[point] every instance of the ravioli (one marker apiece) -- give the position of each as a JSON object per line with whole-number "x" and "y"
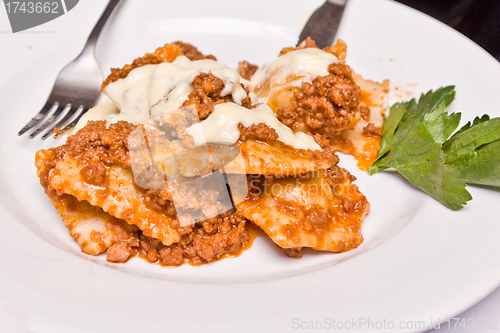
{"x": 279, "y": 159}
{"x": 253, "y": 157}
{"x": 186, "y": 157}
{"x": 320, "y": 210}
{"x": 329, "y": 100}
{"x": 93, "y": 229}
{"x": 363, "y": 140}
{"x": 118, "y": 197}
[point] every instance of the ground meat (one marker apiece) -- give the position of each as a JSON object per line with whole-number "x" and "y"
{"x": 340, "y": 180}
{"x": 259, "y": 132}
{"x": 364, "y": 112}
{"x": 306, "y": 43}
{"x": 176, "y": 122}
{"x": 189, "y": 201}
{"x": 225, "y": 234}
{"x": 339, "y": 49}
{"x": 371, "y": 129}
{"x": 119, "y": 252}
{"x": 95, "y": 147}
{"x": 321, "y": 140}
{"x": 160, "y": 200}
{"x": 340, "y": 70}
{"x": 204, "y": 242}
{"x": 94, "y": 173}
{"x": 246, "y": 69}
{"x": 341, "y": 144}
{"x": 96, "y": 142}
{"x": 337, "y": 175}
{"x": 171, "y": 256}
{"x": 168, "y": 52}
{"x": 294, "y": 253}
{"x": 327, "y": 105}
{"x": 192, "y": 52}
{"x": 121, "y": 73}
{"x": 206, "y": 94}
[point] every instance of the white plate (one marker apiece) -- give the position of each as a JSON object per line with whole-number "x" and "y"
{"x": 420, "y": 261}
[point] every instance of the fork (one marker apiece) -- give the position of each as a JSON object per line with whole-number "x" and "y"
{"x": 324, "y": 22}
{"x": 77, "y": 87}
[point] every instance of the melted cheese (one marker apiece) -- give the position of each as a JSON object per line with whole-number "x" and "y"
{"x": 222, "y": 126}
{"x": 291, "y": 69}
{"x": 102, "y": 110}
{"x": 129, "y": 94}
{"x": 152, "y": 90}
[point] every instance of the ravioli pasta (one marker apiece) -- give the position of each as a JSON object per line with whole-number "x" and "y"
{"x": 184, "y": 155}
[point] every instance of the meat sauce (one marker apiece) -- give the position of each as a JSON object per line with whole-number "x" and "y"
{"x": 252, "y": 231}
{"x": 327, "y": 105}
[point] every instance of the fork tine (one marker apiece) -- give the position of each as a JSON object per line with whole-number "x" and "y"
{"x": 50, "y": 120}
{"x": 68, "y": 115}
{"x": 75, "y": 121}
{"x": 36, "y": 119}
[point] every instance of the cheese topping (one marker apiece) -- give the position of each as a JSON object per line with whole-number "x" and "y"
{"x": 291, "y": 69}
{"x": 222, "y": 126}
{"x": 151, "y": 90}
{"x": 100, "y": 111}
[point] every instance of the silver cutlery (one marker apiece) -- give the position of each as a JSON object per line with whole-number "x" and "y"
{"x": 324, "y": 23}
{"x": 77, "y": 87}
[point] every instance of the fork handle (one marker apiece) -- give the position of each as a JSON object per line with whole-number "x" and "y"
{"x": 94, "y": 35}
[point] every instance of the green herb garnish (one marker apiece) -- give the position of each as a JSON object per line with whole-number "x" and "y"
{"x": 417, "y": 143}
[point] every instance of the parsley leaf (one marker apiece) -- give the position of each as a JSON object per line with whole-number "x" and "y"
{"x": 432, "y": 101}
{"x": 476, "y": 121}
{"x": 430, "y": 109}
{"x": 474, "y": 151}
{"x": 413, "y": 135}
{"x": 390, "y": 125}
